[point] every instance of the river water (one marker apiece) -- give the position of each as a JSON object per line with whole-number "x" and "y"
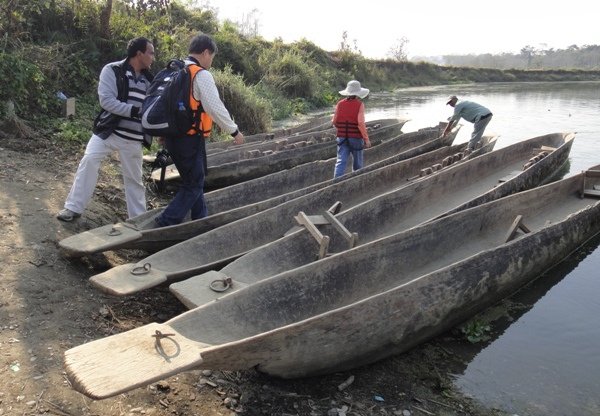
{"x": 544, "y": 357}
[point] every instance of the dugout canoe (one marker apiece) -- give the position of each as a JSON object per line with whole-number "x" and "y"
{"x": 220, "y": 246}
{"x": 242, "y": 200}
{"x": 482, "y": 179}
{"x": 359, "y": 306}
{"x": 235, "y": 167}
{"x": 314, "y": 124}
{"x": 380, "y": 129}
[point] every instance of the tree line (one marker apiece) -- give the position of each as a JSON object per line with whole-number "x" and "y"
{"x": 586, "y": 57}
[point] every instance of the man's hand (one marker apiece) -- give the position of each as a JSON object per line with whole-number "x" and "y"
{"x": 238, "y": 138}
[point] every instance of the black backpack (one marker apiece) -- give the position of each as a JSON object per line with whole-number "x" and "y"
{"x": 166, "y": 109}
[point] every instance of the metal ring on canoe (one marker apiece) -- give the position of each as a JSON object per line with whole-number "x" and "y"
{"x": 140, "y": 270}
{"x": 114, "y": 231}
{"x": 225, "y": 284}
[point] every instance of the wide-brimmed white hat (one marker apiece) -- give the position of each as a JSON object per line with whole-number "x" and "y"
{"x": 354, "y": 88}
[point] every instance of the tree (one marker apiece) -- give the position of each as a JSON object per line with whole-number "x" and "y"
{"x": 105, "y": 19}
{"x": 528, "y": 52}
{"x": 398, "y": 51}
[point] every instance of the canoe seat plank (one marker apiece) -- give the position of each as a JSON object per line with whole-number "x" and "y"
{"x": 516, "y": 225}
{"x": 322, "y": 240}
{"x": 538, "y": 150}
{"x": 591, "y": 192}
{"x": 352, "y": 238}
{"x": 592, "y": 173}
{"x": 508, "y": 177}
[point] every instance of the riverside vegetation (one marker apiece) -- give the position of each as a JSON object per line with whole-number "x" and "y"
{"x": 53, "y": 46}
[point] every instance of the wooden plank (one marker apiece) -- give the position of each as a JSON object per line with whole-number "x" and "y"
{"x": 352, "y": 238}
{"x": 516, "y": 225}
{"x": 592, "y": 173}
{"x": 591, "y": 192}
{"x": 322, "y": 240}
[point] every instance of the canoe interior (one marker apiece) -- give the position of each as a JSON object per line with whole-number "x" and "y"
{"x": 406, "y": 207}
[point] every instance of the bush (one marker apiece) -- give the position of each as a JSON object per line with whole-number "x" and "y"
{"x": 289, "y": 72}
{"x": 25, "y": 86}
{"x": 250, "y": 112}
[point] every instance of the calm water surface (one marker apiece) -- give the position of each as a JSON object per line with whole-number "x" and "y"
{"x": 545, "y": 360}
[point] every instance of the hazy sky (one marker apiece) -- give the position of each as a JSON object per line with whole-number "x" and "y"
{"x": 432, "y": 27}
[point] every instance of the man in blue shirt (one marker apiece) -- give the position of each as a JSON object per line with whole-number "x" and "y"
{"x": 474, "y": 113}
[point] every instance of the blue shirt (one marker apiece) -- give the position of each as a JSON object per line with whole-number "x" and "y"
{"x": 470, "y": 111}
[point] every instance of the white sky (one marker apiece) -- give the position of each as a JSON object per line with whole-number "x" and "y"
{"x": 432, "y": 27}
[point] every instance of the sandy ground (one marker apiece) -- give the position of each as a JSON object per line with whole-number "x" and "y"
{"x": 47, "y": 306}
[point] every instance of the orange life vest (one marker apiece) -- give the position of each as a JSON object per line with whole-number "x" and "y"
{"x": 203, "y": 122}
{"x": 346, "y": 121}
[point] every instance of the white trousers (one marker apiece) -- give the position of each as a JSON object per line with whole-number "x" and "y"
{"x": 130, "y": 155}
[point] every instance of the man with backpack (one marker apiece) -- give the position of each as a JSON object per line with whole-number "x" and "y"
{"x": 188, "y": 151}
{"x": 121, "y": 90}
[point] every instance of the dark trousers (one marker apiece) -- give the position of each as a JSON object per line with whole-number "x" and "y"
{"x": 189, "y": 155}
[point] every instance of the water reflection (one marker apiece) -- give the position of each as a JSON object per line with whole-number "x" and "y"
{"x": 545, "y": 359}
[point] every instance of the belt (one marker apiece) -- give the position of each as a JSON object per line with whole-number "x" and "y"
{"x": 486, "y": 116}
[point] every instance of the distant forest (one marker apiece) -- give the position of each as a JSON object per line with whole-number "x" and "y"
{"x": 586, "y": 57}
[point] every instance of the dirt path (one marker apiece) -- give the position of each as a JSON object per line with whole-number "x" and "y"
{"x": 47, "y": 307}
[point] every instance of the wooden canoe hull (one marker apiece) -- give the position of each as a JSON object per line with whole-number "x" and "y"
{"x": 221, "y": 245}
{"x": 314, "y": 124}
{"x": 242, "y": 200}
{"x": 460, "y": 186}
{"x": 356, "y": 307}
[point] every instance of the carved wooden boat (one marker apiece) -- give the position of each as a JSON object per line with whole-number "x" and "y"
{"x": 358, "y": 306}
{"x": 242, "y": 200}
{"x": 255, "y": 160}
{"x": 314, "y": 124}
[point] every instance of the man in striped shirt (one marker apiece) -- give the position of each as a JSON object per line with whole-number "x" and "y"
{"x": 121, "y": 90}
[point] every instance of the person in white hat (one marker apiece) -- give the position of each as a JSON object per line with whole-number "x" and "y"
{"x": 475, "y": 113}
{"x": 349, "y": 121}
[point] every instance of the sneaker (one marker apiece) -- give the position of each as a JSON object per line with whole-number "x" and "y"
{"x": 67, "y": 215}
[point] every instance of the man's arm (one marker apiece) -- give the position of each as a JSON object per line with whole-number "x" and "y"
{"x": 448, "y": 128}
{"x": 206, "y": 91}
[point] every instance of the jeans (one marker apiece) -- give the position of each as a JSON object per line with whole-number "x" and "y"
{"x": 345, "y": 148}
{"x": 188, "y": 154}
